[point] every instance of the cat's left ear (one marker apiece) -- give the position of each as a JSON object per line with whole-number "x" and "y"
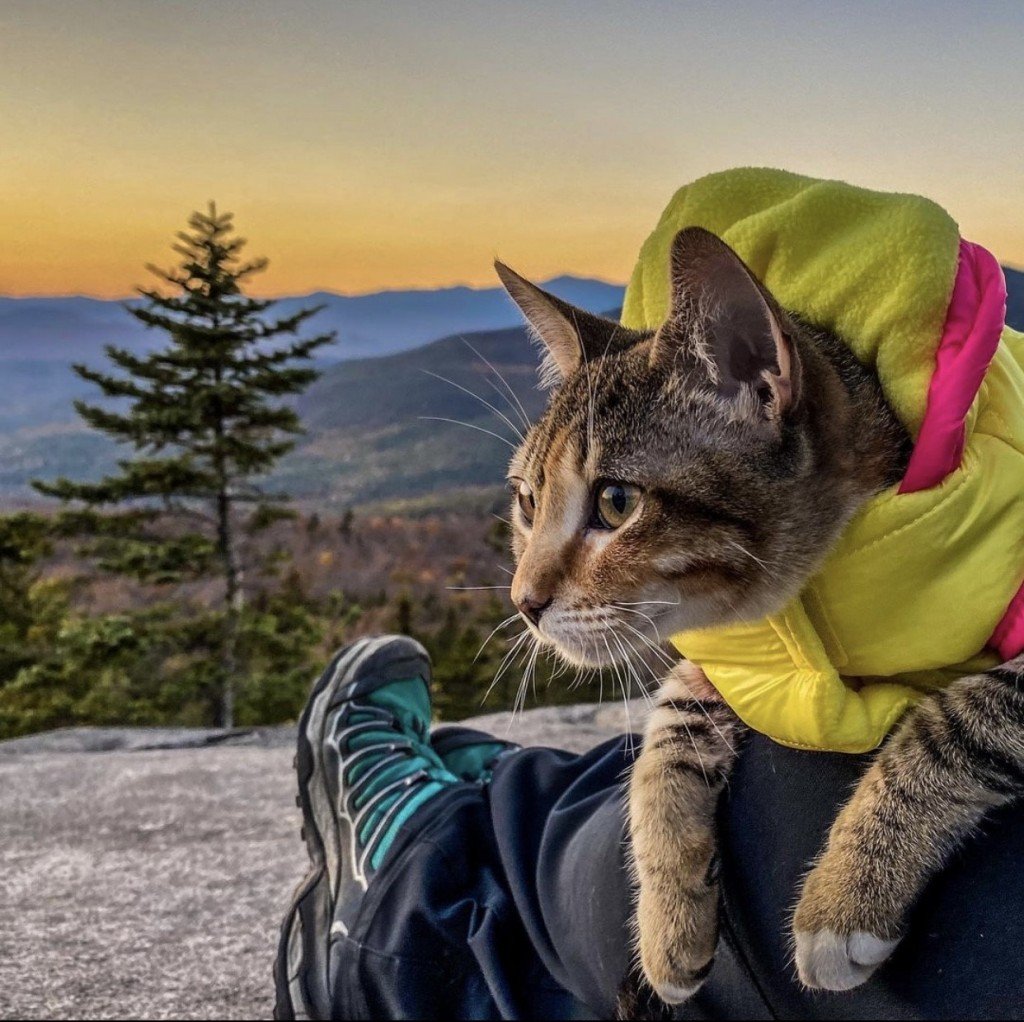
{"x": 721, "y": 316}
{"x": 569, "y": 335}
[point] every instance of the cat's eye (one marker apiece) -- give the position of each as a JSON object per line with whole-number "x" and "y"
{"x": 525, "y": 499}
{"x": 615, "y": 503}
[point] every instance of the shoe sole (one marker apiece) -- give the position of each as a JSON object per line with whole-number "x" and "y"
{"x": 301, "y": 965}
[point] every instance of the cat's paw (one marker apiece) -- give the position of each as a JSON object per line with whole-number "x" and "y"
{"x": 841, "y": 936}
{"x": 636, "y": 1000}
{"x": 826, "y": 960}
{"x": 677, "y": 942}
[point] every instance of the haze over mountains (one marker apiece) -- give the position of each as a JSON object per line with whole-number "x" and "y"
{"x": 41, "y": 337}
{"x": 76, "y": 328}
{"x": 41, "y": 435}
{"x": 372, "y": 430}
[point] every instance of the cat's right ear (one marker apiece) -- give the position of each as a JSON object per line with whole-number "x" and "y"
{"x": 568, "y": 335}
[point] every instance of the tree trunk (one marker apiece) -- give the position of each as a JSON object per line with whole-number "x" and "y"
{"x": 234, "y": 603}
{"x": 234, "y": 595}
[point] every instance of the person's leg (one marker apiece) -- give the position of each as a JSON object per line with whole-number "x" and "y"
{"x": 560, "y": 830}
{"x": 364, "y": 768}
{"x": 409, "y": 909}
{"x": 512, "y": 899}
{"x": 960, "y": 957}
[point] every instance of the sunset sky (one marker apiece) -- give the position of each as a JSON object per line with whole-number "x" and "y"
{"x": 372, "y": 145}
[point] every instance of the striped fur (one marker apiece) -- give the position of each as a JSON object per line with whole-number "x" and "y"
{"x": 752, "y": 439}
{"x": 688, "y": 752}
{"x": 954, "y": 757}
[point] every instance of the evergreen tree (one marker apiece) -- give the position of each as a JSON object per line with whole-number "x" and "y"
{"x": 206, "y": 419}
{"x": 30, "y": 608}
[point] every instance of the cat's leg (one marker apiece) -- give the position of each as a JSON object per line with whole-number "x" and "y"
{"x": 688, "y": 751}
{"x": 954, "y": 757}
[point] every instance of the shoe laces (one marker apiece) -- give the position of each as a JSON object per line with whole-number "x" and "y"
{"x": 360, "y": 799}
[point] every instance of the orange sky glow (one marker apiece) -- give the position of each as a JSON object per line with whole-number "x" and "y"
{"x": 368, "y": 146}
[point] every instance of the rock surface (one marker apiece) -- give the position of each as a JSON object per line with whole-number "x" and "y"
{"x": 143, "y": 872}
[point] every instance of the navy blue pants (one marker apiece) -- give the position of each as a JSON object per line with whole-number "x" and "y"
{"x": 512, "y": 901}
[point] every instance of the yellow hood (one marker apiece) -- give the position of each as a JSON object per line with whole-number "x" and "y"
{"x": 912, "y": 593}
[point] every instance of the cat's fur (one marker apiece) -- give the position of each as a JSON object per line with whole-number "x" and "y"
{"x": 753, "y": 438}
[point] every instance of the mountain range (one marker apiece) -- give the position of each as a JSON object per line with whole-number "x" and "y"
{"x": 76, "y": 328}
{"x": 373, "y": 434}
{"x": 41, "y": 337}
{"x": 41, "y": 435}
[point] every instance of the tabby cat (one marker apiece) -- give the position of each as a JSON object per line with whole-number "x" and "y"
{"x": 698, "y": 475}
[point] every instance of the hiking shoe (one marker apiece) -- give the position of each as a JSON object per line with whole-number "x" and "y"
{"x": 365, "y": 766}
{"x": 470, "y": 754}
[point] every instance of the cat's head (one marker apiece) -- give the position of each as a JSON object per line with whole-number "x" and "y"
{"x": 675, "y": 479}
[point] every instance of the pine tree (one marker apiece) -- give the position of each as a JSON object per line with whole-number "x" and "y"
{"x": 207, "y": 422}
{"x": 28, "y": 605}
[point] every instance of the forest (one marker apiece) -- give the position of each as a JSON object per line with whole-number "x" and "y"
{"x": 185, "y": 586}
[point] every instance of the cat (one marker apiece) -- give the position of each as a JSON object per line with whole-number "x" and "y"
{"x": 698, "y": 475}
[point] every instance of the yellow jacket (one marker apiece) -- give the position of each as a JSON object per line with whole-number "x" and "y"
{"x": 925, "y": 584}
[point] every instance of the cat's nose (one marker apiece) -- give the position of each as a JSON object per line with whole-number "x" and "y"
{"x": 531, "y": 607}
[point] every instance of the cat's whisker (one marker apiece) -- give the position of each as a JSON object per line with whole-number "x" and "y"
{"x": 721, "y": 734}
{"x": 625, "y": 691}
{"x": 507, "y": 385}
{"x": 634, "y": 675}
{"x": 582, "y": 674}
{"x": 643, "y": 603}
{"x": 612, "y": 661}
{"x": 604, "y": 354}
{"x": 561, "y": 666}
{"x": 494, "y": 631}
{"x": 700, "y": 705}
{"x": 520, "y": 701}
{"x": 646, "y": 617}
{"x": 528, "y": 663}
{"x": 473, "y": 589}
{"x": 764, "y": 565}
{"x": 643, "y": 687}
{"x": 469, "y": 425}
{"x": 497, "y": 390}
{"x": 487, "y": 404}
{"x": 663, "y": 659}
{"x": 590, "y": 388}
{"x": 516, "y": 643}
{"x": 519, "y": 690}
{"x": 689, "y": 733}
{"x": 532, "y": 669}
{"x": 591, "y": 385}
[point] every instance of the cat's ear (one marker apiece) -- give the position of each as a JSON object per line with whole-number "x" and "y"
{"x": 569, "y": 335}
{"x": 724, "y": 318}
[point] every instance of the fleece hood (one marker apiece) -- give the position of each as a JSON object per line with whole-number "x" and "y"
{"x": 925, "y": 584}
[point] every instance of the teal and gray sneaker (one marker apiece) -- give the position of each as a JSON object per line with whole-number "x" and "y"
{"x": 365, "y": 766}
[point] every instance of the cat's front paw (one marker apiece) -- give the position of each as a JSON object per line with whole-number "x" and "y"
{"x": 826, "y": 960}
{"x": 841, "y": 936}
{"x": 677, "y": 941}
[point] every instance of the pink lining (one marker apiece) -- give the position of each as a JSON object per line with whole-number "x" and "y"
{"x": 974, "y": 323}
{"x": 1008, "y": 638}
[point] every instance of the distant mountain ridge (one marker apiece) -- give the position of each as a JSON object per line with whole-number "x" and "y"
{"x": 42, "y": 437}
{"x": 373, "y": 430}
{"x": 76, "y": 328}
